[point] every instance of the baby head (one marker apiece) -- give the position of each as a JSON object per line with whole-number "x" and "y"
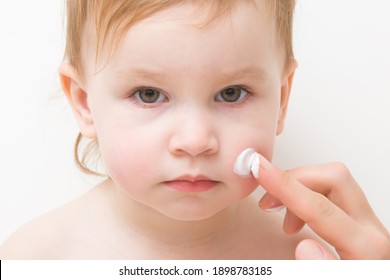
{"x": 172, "y": 91}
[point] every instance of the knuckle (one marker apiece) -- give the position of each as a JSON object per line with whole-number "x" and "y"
{"x": 285, "y": 179}
{"x": 324, "y": 207}
{"x": 369, "y": 243}
{"x": 339, "y": 171}
{"x": 383, "y": 248}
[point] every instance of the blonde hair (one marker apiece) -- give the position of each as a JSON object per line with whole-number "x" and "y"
{"x": 112, "y": 18}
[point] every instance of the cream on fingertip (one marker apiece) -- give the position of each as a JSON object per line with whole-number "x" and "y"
{"x": 247, "y": 162}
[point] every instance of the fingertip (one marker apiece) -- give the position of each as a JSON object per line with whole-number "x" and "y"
{"x": 292, "y": 224}
{"x": 264, "y": 163}
{"x": 270, "y": 204}
{"x": 249, "y": 162}
{"x": 309, "y": 249}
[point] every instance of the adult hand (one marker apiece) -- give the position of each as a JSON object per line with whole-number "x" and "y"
{"x": 327, "y": 199}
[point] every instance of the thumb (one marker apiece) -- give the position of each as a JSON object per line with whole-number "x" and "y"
{"x": 309, "y": 249}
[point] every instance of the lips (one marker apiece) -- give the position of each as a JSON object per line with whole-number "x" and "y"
{"x": 190, "y": 183}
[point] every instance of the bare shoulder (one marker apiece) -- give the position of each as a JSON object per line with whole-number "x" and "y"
{"x": 50, "y": 236}
{"x": 32, "y": 241}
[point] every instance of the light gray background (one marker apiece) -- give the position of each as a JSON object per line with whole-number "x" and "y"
{"x": 339, "y": 109}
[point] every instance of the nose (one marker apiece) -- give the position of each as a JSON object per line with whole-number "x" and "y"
{"x": 194, "y": 135}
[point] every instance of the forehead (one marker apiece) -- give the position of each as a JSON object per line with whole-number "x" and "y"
{"x": 186, "y": 34}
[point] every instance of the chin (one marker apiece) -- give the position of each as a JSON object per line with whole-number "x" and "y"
{"x": 191, "y": 214}
{"x": 193, "y": 218}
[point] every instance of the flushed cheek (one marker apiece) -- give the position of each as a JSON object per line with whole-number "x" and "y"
{"x": 129, "y": 160}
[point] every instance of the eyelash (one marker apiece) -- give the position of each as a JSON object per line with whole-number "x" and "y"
{"x": 133, "y": 98}
{"x": 249, "y": 95}
{"x": 146, "y": 105}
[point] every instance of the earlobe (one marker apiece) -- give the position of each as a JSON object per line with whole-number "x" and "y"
{"x": 78, "y": 99}
{"x": 285, "y": 94}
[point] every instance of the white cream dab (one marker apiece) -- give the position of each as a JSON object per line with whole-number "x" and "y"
{"x": 247, "y": 161}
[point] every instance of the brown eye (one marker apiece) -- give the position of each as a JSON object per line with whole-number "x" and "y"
{"x": 231, "y": 94}
{"x": 149, "y": 96}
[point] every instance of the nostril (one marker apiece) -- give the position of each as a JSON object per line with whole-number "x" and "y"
{"x": 195, "y": 134}
{"x": 194, "y": 145}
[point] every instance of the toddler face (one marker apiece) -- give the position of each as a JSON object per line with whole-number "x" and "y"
{"x": 177, "y": 103}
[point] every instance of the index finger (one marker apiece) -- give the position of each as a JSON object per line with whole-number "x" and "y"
{"x": 317, "y": 211}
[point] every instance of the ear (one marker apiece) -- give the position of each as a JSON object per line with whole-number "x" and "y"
{"x": 77, "y": 98}
{"x": 285, "y": 90}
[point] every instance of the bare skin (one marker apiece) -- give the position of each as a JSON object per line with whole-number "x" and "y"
{"x": 75, "y": 231}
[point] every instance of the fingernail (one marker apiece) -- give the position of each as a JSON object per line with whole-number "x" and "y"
{"x": 309, "y": 250}
{"x": 274, "y": 209}
{"x": 255, "y": 165}
{"x": 269, "y": 204}
{"x": 264, "y": 163}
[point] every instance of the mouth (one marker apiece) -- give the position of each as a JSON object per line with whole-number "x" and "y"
{"x": 191, "y": 184}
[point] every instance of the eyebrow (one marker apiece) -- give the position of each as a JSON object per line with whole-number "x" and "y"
{"x": 252, "y": 71}
{"x": 246, "y": 71}
{"x": 141, "y": 72}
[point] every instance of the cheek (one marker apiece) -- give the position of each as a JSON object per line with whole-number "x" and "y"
{"x": 260, "y": 138}
{"x": 254, "y": 128}
{"x": 259, "y": 135}
{"x": 129, "y": 154}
